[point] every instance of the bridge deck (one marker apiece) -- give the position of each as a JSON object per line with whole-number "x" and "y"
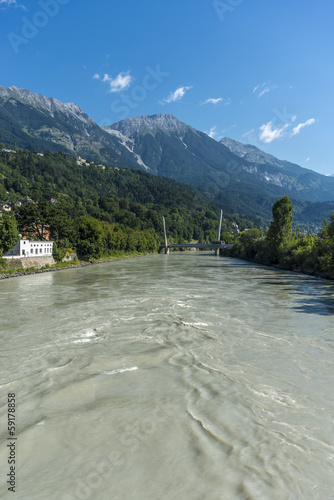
{"x": 201, "y": 246}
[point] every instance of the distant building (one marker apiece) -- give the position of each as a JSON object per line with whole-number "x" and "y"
{"x": 6, "y": 207}
{"x": 24, "y": 201}
{"x": 234, "y": 224}
{"x": 27, "y": 248}
{"x": 81, "y": 161}
{"x": 8, "y": 151}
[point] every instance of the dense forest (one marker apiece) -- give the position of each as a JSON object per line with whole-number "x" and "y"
{"x": 98, "y": 209}
{"x": 287, "y": 249}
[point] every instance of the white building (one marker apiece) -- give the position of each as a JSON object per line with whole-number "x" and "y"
{"x": 27, "y": 248}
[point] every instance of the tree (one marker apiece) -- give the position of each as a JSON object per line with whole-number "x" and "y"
{"x": 61, "y": 227}
{"x": 328, "y": 230}
{"x": 228, "y": 237}
{"x": 9, "y": 235}
{"x": 34, "y": 219}
{"x": 90, "y": 238}
{"x": 245, "y": 243}
{"x": 280, "y": 230}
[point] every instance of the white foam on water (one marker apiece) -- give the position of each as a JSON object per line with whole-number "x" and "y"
{"x": 120, "y": 370}
{"x": 87, "y": 336}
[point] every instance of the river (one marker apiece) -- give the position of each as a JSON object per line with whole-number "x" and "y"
{"x": 182, "y": 376}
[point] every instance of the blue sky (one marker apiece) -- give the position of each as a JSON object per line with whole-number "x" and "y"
{"x": 258, "y": 71}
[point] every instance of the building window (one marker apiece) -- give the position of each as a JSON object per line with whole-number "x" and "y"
{"x": 41, "y": 250}
{"x": 36, "y": 251}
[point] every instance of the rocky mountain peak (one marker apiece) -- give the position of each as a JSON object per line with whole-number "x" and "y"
{"x": 148, "y": 124}
{"x": 42, "y": 103}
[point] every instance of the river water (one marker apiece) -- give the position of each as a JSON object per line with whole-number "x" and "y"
{"x": 184, "y": 376}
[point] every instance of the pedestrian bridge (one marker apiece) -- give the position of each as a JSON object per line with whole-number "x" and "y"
{"x": 197, "y": 246}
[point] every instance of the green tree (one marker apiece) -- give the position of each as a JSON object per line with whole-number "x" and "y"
{"x": 90, "y": 238}
{"x": 280, "y": 230}
{"x": 245, "y": 243}
{"x": 328, "y": 230}
{"x": 61, "y": 227}
{"x": 9, "y": 235}
{"x": 228, "y": 237}
{"x": 34, "y": 219}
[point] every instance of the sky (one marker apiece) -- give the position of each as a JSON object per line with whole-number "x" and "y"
{"x": 258, "y": 71}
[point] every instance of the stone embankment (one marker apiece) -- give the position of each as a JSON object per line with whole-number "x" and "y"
{"x": 71, "y": 266}
{"x": 26, "y": 262}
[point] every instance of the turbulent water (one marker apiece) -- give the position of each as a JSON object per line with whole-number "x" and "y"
{"x": 185, "y": 376}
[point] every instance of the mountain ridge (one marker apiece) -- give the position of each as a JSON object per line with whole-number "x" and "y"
{"x": 227, "y": 172}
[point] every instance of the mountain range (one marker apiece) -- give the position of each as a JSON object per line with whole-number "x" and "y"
{"x": 238, "y": 177}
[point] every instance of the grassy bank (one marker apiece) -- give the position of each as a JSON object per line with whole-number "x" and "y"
{"x": 306, "y": 254}
{"x": 112, "y": 256}
{"x": 292, "y": 268}
{"x": 281, "y": 248}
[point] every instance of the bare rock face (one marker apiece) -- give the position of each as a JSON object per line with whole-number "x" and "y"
{"x": 32, "y": 120}
{"x": 159, "y": 144}
{"x": 48, "y": 105}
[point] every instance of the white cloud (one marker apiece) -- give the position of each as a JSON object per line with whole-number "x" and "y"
{"x": 263, "y": 88}
{"x": 10, "y": 3}
{"x": 212, "y": 100}
{"x": 269, "y": 134}
{"x": 264, "y": 91}
{"x": 212, "y": 132}
{"x": 308, "y": 158}
{"x": 121, "y": 82}
{"x": 96, "y": 76}
{"x": 177, "y": 95}
{"x": 297, "y": 129}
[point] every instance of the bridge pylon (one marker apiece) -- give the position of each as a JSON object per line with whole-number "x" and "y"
{"x": 219, "y": 232}
{"x": 165, "y": 236}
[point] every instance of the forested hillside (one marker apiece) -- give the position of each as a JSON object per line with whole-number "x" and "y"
{"x": 67, "y": 194}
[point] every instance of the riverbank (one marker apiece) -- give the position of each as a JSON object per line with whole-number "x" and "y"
{"x": 61, "y": 266}
{"x": 295, "y": 269}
